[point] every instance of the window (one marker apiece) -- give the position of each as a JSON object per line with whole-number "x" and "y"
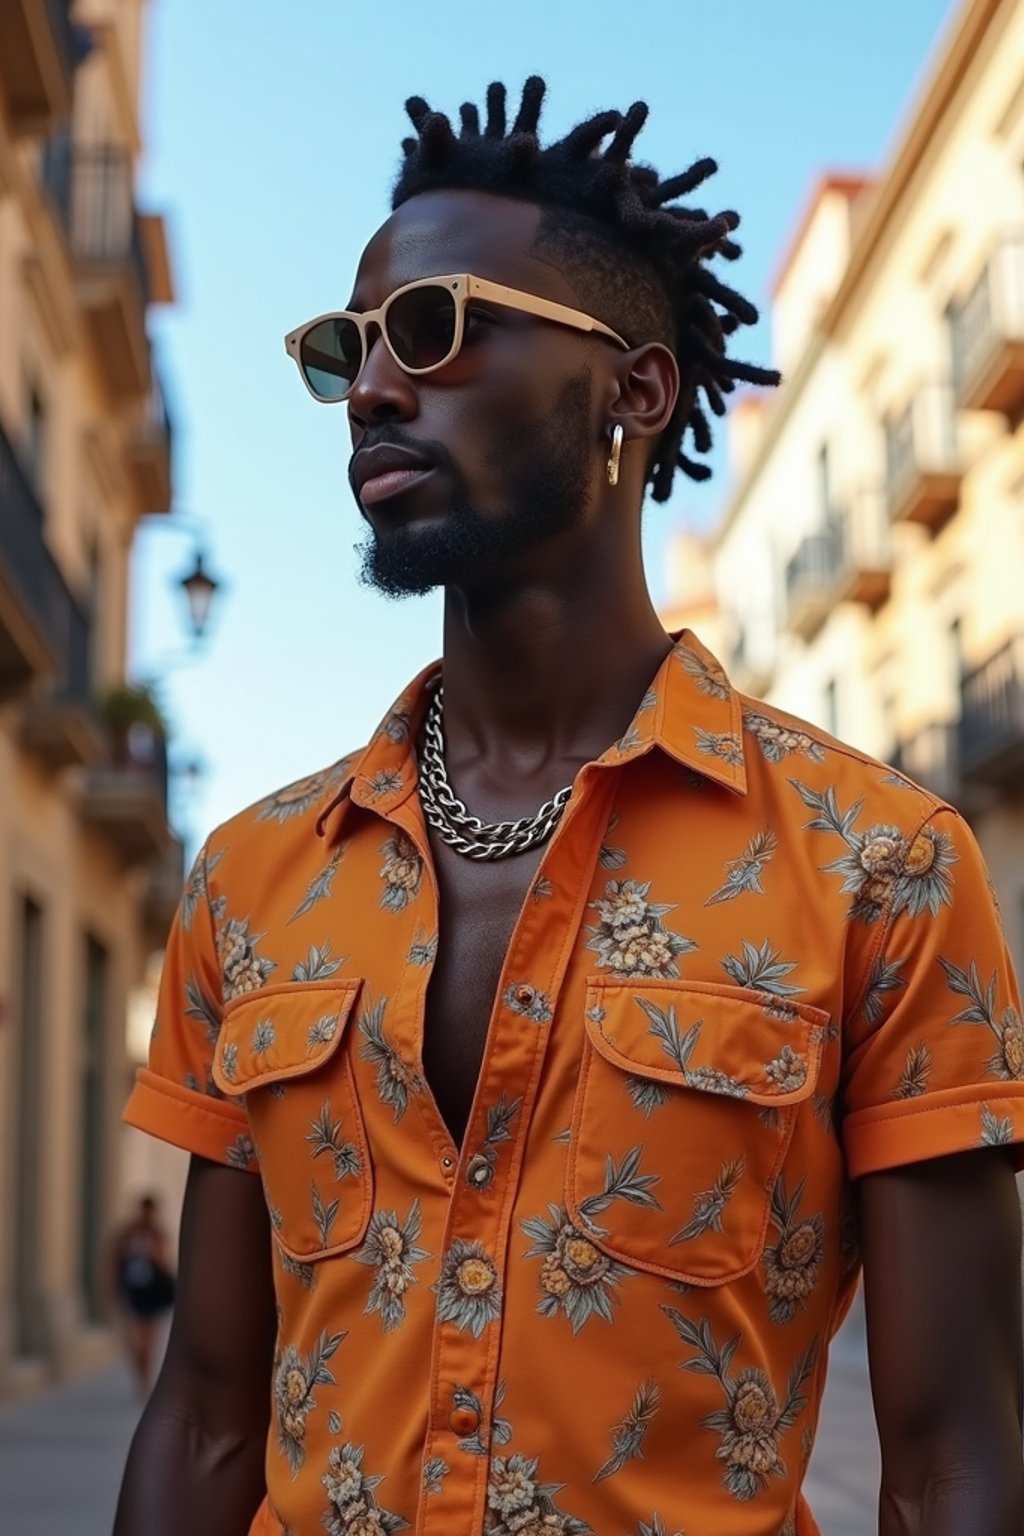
{"x": 92, "y": 1182}
{"x": 955, "y": 654}
{"x": 825, "y": 484}
{"x": 29, "y": 1306}
{"x": 35, "y": 442}
{"x": 832, "y": 707}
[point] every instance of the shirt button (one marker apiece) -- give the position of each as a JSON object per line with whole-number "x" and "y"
{"x": 464, "y": 1421}
{"x": 524, "y": 996}
{"x": 447, "y": 1163}
{"x": 479, "y": 1173}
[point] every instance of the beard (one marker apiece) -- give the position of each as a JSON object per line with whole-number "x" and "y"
{"x": 545, "y": 465}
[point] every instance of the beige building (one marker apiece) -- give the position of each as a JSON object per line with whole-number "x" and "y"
{"x": 867, "y": 572}
{"x": 89, "y": 871}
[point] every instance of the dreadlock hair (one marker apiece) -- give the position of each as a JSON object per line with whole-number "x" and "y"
{"x": 616, "y": 230}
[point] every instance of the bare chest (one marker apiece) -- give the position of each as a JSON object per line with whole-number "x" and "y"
{"x": 479, "y": 905}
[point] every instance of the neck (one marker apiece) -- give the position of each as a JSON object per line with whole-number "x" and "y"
{"x": 550, "y": 667}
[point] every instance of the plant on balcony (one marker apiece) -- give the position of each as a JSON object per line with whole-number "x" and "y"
{"x": 131, "y": 711}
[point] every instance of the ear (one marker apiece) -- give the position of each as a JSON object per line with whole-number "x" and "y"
{"x": 644, "y": 390}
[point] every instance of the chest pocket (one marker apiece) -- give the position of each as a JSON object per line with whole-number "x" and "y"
{"x": 285, "y": 1051}
{"x": 683, "y": 1115}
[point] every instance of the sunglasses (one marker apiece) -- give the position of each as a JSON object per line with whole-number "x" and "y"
{"x": 423, "y": 325}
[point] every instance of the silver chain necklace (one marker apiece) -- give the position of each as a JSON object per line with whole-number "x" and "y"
{"x": 451, "y": 820}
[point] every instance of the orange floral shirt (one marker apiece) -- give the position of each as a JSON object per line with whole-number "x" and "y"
{"x": 754, "y": 965}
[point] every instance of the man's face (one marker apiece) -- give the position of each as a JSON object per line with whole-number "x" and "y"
{"x": 508, "y": 429}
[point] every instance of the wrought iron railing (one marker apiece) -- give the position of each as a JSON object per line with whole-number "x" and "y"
{"x": 817, "y": 562}
{"x": 91, "y": 189}
{"x": 23, "y": 550}
{"x": 142, "y": 753}
{"x": 155, "y": 425}
{"x": 866, "y": 532}
{"x": 992, "y": 707}
{"x": 931, "y": 757}
{"x": 922, "y": 439}
{"x": 68, "y": 44}
{"x": 992, "y": 311}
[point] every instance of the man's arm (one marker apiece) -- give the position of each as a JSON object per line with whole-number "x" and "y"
{"x": 196, "y": 1462}
{"x": 942, "y": 1275}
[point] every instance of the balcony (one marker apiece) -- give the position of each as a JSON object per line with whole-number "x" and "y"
{"x": 931, "y": 758}
{"x": 987, "y": 332}
{"x": 37, "y": 56}
{"x": 750, "y": 668}
{"x": 33, "y": 595}
{"x": 992, "y": 719}
{"x": 149, "y": 455}
{"x": 126, "y": 800}
{"x": 923, "y": 469}
{"x": 61, "y": 726}
{"x": 164, "y": 885}
{"x": 811, "y": 579}
{"x": 864, "y": 571}
{"x": 90, "y": 190}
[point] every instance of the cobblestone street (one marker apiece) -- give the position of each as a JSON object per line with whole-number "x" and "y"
{"x": 61, "y": 1453}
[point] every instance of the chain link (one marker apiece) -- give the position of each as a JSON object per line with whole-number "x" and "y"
{"x": 451, "y": 819}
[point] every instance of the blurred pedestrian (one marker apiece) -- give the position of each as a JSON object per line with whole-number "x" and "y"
{"x": 143, "y": 1284}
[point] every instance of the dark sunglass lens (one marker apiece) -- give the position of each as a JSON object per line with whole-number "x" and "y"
{"x": 331, "y": 355}
{"x": 421, "y": 326}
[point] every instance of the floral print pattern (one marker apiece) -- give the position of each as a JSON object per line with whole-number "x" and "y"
{"x": 777, "y": 740}
{"x": 298, "y": 798}
{"x": 401, "y": 872}
{"x": 1008, "y": 1029}
{"x": 883, "y": 867}
{"x": 390, "y": 1248}
{"x": 753, "y": 1421}
{"x": 519, "y": 1505}
{"x": 743, "y": 875}
{"x": 576, "y": 1279}
{"x": 243, "y": 968}
{"x": 793, "y": 1262}
{"x": 395, "y": 1081}
{"x": 630, "y": 937}
{"x": 721, "y": 1006}
{"x": 353, "y": 1509}
{"x": 628, "y": 1435}
{"x": 295, "y": 1380}
{"x": 469, "y": 1291}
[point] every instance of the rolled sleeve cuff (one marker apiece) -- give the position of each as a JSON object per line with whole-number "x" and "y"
{"x": 206, "y": 1126}
{"x": 936, "y": 1125}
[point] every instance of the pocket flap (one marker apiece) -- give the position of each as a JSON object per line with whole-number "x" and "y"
{"x": 280, "y": 1032}
{"x": 718, "y": 1039}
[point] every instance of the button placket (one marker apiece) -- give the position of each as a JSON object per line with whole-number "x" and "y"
{"x": 540, "y": 947}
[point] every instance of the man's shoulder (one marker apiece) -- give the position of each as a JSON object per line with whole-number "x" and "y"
{"x": 820, "y": 767}
{"x": 294, "y": 807}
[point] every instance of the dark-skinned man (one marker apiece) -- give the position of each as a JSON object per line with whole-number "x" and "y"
{"x": 578, "y": 1024}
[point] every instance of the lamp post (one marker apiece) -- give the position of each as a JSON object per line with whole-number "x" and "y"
{"x": 200, "y": 589}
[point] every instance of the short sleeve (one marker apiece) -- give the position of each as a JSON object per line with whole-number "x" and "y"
{"x": 174, "y": 1097}
{"x": 934, "y": 1058}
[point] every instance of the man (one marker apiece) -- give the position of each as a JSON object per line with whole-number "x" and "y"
{"x": 564, "y": 1116}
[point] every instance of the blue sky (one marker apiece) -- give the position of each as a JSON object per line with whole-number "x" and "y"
{"x": 272, "y": 145}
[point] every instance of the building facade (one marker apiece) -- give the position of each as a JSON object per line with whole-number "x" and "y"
{"x": 89, "y": 870}
{"x": 867, "y": 572}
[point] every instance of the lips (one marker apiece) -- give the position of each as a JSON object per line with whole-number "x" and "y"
{"x": 386, "y": 470}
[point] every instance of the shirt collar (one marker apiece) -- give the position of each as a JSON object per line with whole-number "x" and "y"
{"x": 691, "y": 711}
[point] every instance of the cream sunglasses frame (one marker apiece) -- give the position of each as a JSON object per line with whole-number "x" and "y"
{"x": 465, "y": 287}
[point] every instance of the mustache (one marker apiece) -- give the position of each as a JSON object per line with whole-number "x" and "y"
{"x": 388, "y": 435}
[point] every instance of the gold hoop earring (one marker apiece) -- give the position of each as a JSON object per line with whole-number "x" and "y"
{"x": 616, "y": 454}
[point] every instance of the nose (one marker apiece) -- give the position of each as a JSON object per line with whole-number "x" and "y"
{"x": 383, "y": 390}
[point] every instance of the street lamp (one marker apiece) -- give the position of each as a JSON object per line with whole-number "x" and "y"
{"x": 200, "y": 588}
